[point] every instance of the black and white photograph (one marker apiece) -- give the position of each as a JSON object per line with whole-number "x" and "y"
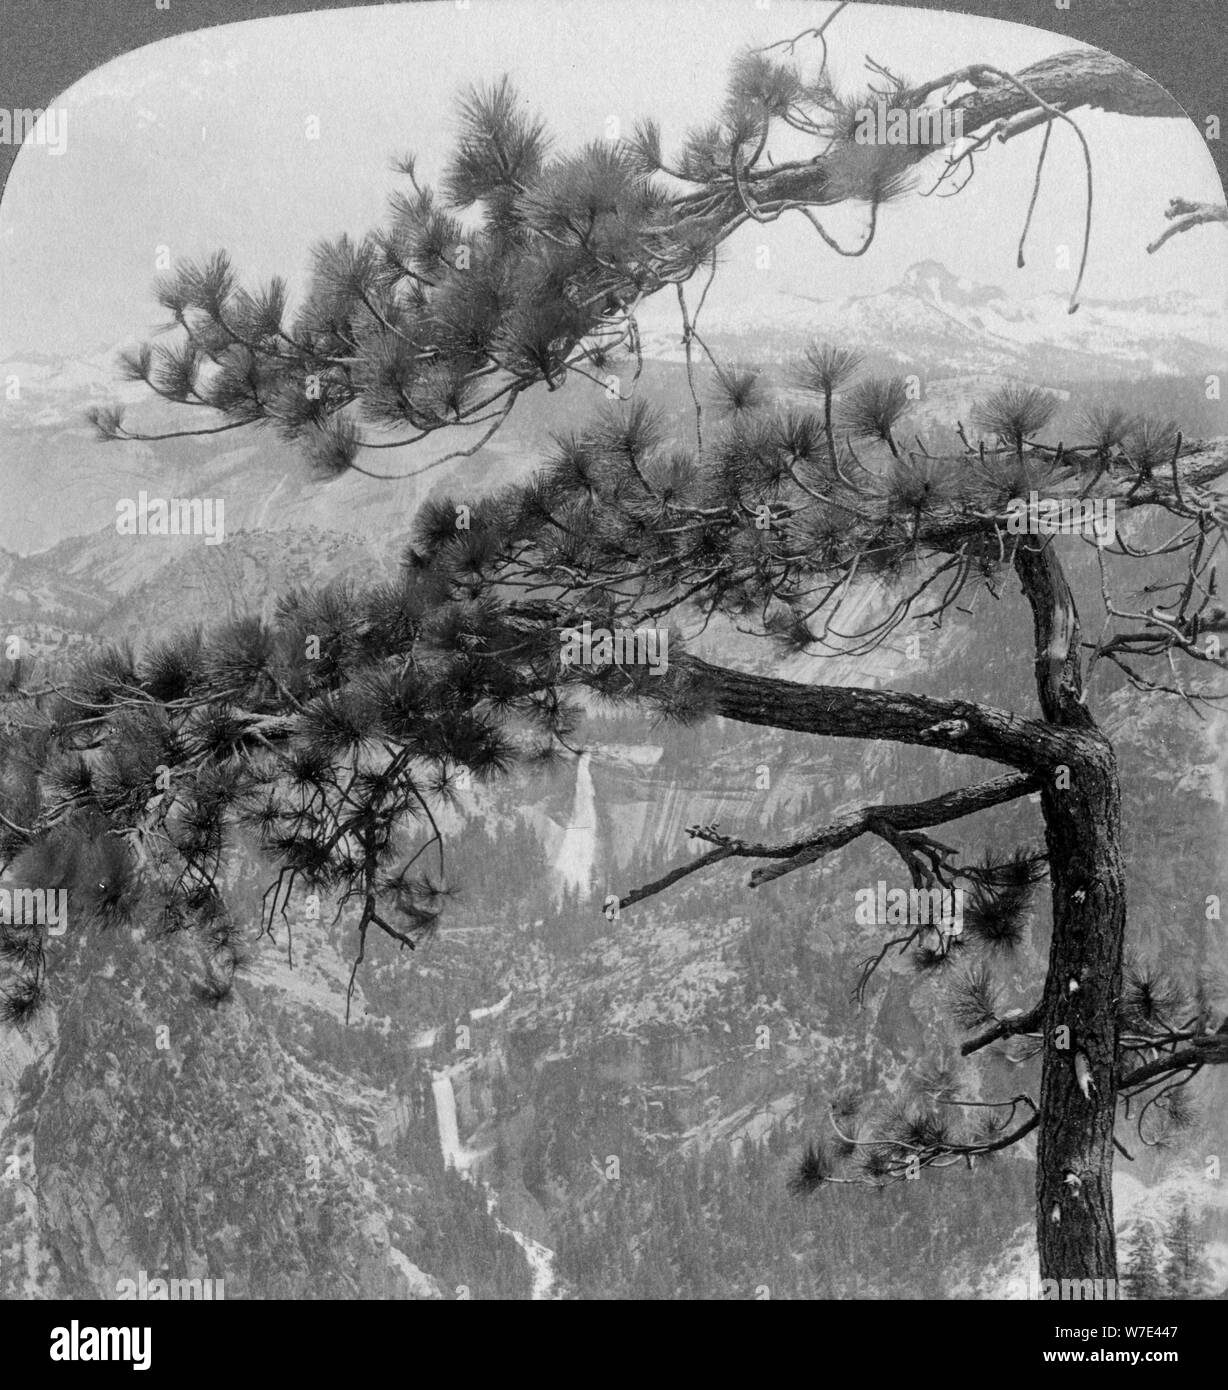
{"x": 613, "y": 659}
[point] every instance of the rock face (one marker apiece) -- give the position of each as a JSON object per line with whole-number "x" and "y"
{"x": 186, "y": 1141}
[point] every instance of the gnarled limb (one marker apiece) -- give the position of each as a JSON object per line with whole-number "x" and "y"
{"x": 1004, "y": 1028}
{"x": 909, "y": 816}
{"x": 1183, "y": 215}
{"x": 1211, "y": 1049}
{"x": 957, "y": 726}
{"x": 953, "y": 805}
{"x": 1059, "y": 672}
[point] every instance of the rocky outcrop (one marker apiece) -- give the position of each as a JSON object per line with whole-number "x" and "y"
{"x": 163, "y": 1135}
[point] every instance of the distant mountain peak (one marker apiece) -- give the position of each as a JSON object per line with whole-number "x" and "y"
{"x": 933, "y": 280}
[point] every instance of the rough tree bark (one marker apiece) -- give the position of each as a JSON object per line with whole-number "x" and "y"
{"x": 1082, "y": 813}
{"x": 1078, "y": 1105}
{"x": 1082, "y": 986}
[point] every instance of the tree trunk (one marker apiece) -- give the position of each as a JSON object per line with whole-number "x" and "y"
{"x": 1074, "y": 1160}
{"x": 1082, "y": 809}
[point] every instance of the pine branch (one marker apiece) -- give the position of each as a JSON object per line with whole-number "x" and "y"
{"x": 953, "y": 805}
{"x": 1184, "y": 215}
{"x": 869, "y": 819}
{"x": 1004, "y": 1028}
{"x": 855, "y": 712}
{"x": 1210, "y": 1050}
{"x": 577, "y": 238}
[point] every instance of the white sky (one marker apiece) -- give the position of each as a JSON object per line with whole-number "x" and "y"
{"x": 199, "y": 142}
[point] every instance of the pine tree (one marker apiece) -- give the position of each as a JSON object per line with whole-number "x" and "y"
{"x": 1141, "y": 1275}
{"x": 332, "y": 732}
{"x": 1186, "y": 1273}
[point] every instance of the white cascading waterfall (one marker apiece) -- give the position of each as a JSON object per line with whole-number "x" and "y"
{"x": 455, "y": 1155}
{"x": 577, "y": 852}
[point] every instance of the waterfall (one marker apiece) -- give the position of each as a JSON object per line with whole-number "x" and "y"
{"x": 454, "y": 1156}
{"x": 539, "y": 1259}
{"x": 577, "y": 852}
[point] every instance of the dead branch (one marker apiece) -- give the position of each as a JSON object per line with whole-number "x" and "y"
{"x": 1184, "y": 215}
